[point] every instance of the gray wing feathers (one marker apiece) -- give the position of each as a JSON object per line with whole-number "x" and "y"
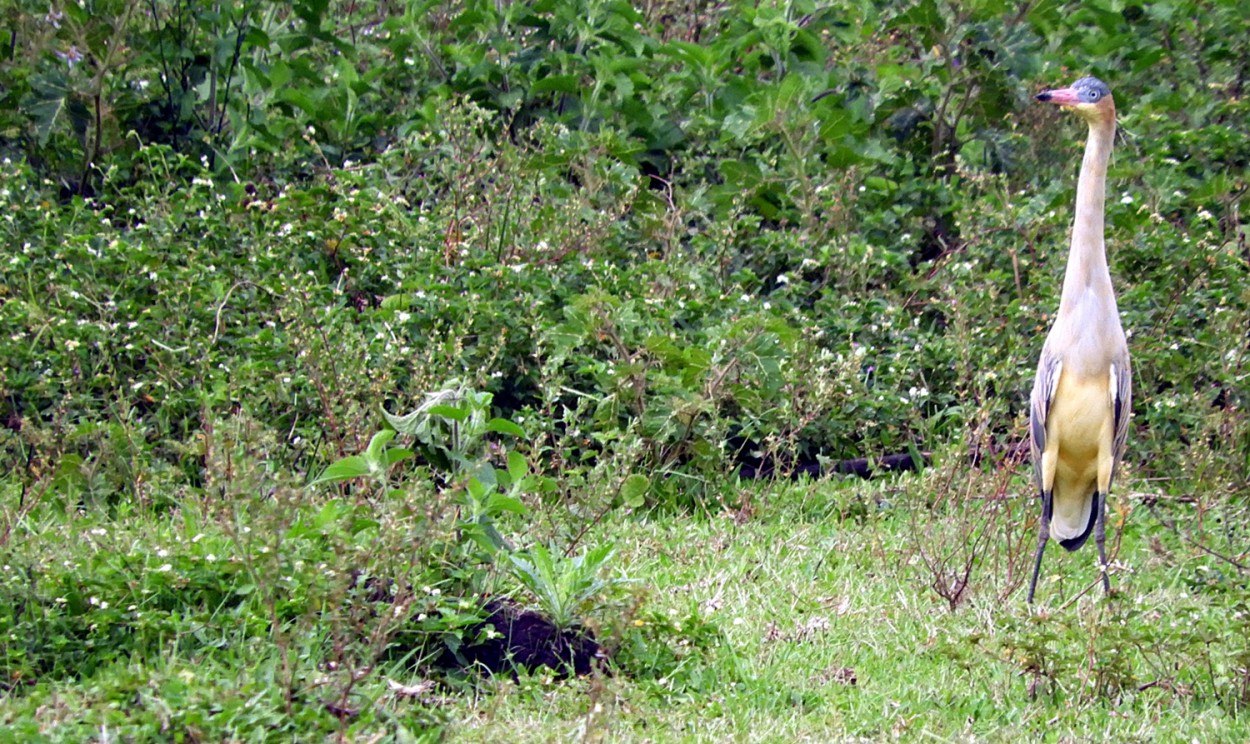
{"x": 1048, "y": 368}
{"x": 1122, "y": 405}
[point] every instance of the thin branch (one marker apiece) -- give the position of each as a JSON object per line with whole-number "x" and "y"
{"x": 1176, "y": 531}
{"x": 222, "y": 305}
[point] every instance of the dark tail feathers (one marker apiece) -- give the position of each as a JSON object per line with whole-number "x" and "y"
{"x": 1074, "y": 543}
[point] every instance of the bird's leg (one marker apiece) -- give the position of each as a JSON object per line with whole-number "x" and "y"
{"x": 1100, "y": 538}
{"x": 1043, "y": 534}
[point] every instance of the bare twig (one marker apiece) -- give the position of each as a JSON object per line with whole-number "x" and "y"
{"x": 1185, "y": 538}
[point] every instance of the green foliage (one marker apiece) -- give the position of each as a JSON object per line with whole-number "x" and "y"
{"x": 1123, "y": 650}
{"x": 452, "y": 424}
{"x": 820, "y": 179}
{"x": 672, "y": 653}
{"x": 840, "y": 254}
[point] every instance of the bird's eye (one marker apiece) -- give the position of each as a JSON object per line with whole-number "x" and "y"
{"x": 1093, "y": 95}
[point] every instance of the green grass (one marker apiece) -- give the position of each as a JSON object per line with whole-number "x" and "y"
{"x": 804, "y": 602}
{"x": 810, "y": 617}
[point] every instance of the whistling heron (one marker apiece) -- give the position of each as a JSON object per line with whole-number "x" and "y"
{"x": 1082, "y": 395}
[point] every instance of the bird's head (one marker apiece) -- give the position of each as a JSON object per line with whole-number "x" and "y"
{"x": 1089, "y": 97}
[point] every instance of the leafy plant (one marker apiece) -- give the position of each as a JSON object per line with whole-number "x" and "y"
{"x": 452, "y": 424}
{"x": 565, "y": 587}
{"x": 375, "y": 463}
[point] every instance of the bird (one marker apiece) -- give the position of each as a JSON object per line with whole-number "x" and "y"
{"x": 1082, "y": 394}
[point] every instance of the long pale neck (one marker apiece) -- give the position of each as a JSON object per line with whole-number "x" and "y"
{"x": 1087, "y": 259}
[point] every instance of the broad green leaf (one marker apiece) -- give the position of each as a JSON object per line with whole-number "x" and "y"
{"x": 557, "y": 84}
{"x": 397, "y": 454}
{"x": 634, "y": 490}
{"x": 408, "y": 423}
{"x": 353, "y": 466}
{"x": 692, "y": 54}
{"x": 517, "y": 467}
{"x": 373, "y": 453}
{"x": 498, "y": 503}
{"x": 361, "y": 524}
{"x": 449, "y": 412}
{"x": 299, "y": 99}
{"x": 504, "y": 426}
{"x": 397, "y": 302}
{"x": 51, "y": 101}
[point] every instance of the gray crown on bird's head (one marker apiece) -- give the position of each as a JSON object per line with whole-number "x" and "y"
{"x": 1091, "y": 89}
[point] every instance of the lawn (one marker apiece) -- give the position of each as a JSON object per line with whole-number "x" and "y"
{"x": 809, "y": 615}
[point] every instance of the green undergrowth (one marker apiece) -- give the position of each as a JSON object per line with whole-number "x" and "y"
{"x": 801, "y": 611}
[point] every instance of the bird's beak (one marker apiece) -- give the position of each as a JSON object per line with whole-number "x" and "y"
{"x": 1060, "y": 96}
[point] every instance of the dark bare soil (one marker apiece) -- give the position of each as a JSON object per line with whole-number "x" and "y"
{"x": 525, "y": 639}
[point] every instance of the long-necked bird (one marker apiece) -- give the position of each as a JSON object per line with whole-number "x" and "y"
{"x": 1082, "y": 393}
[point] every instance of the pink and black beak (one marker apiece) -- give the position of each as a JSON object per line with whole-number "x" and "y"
{"x": 1061, "y": 96}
